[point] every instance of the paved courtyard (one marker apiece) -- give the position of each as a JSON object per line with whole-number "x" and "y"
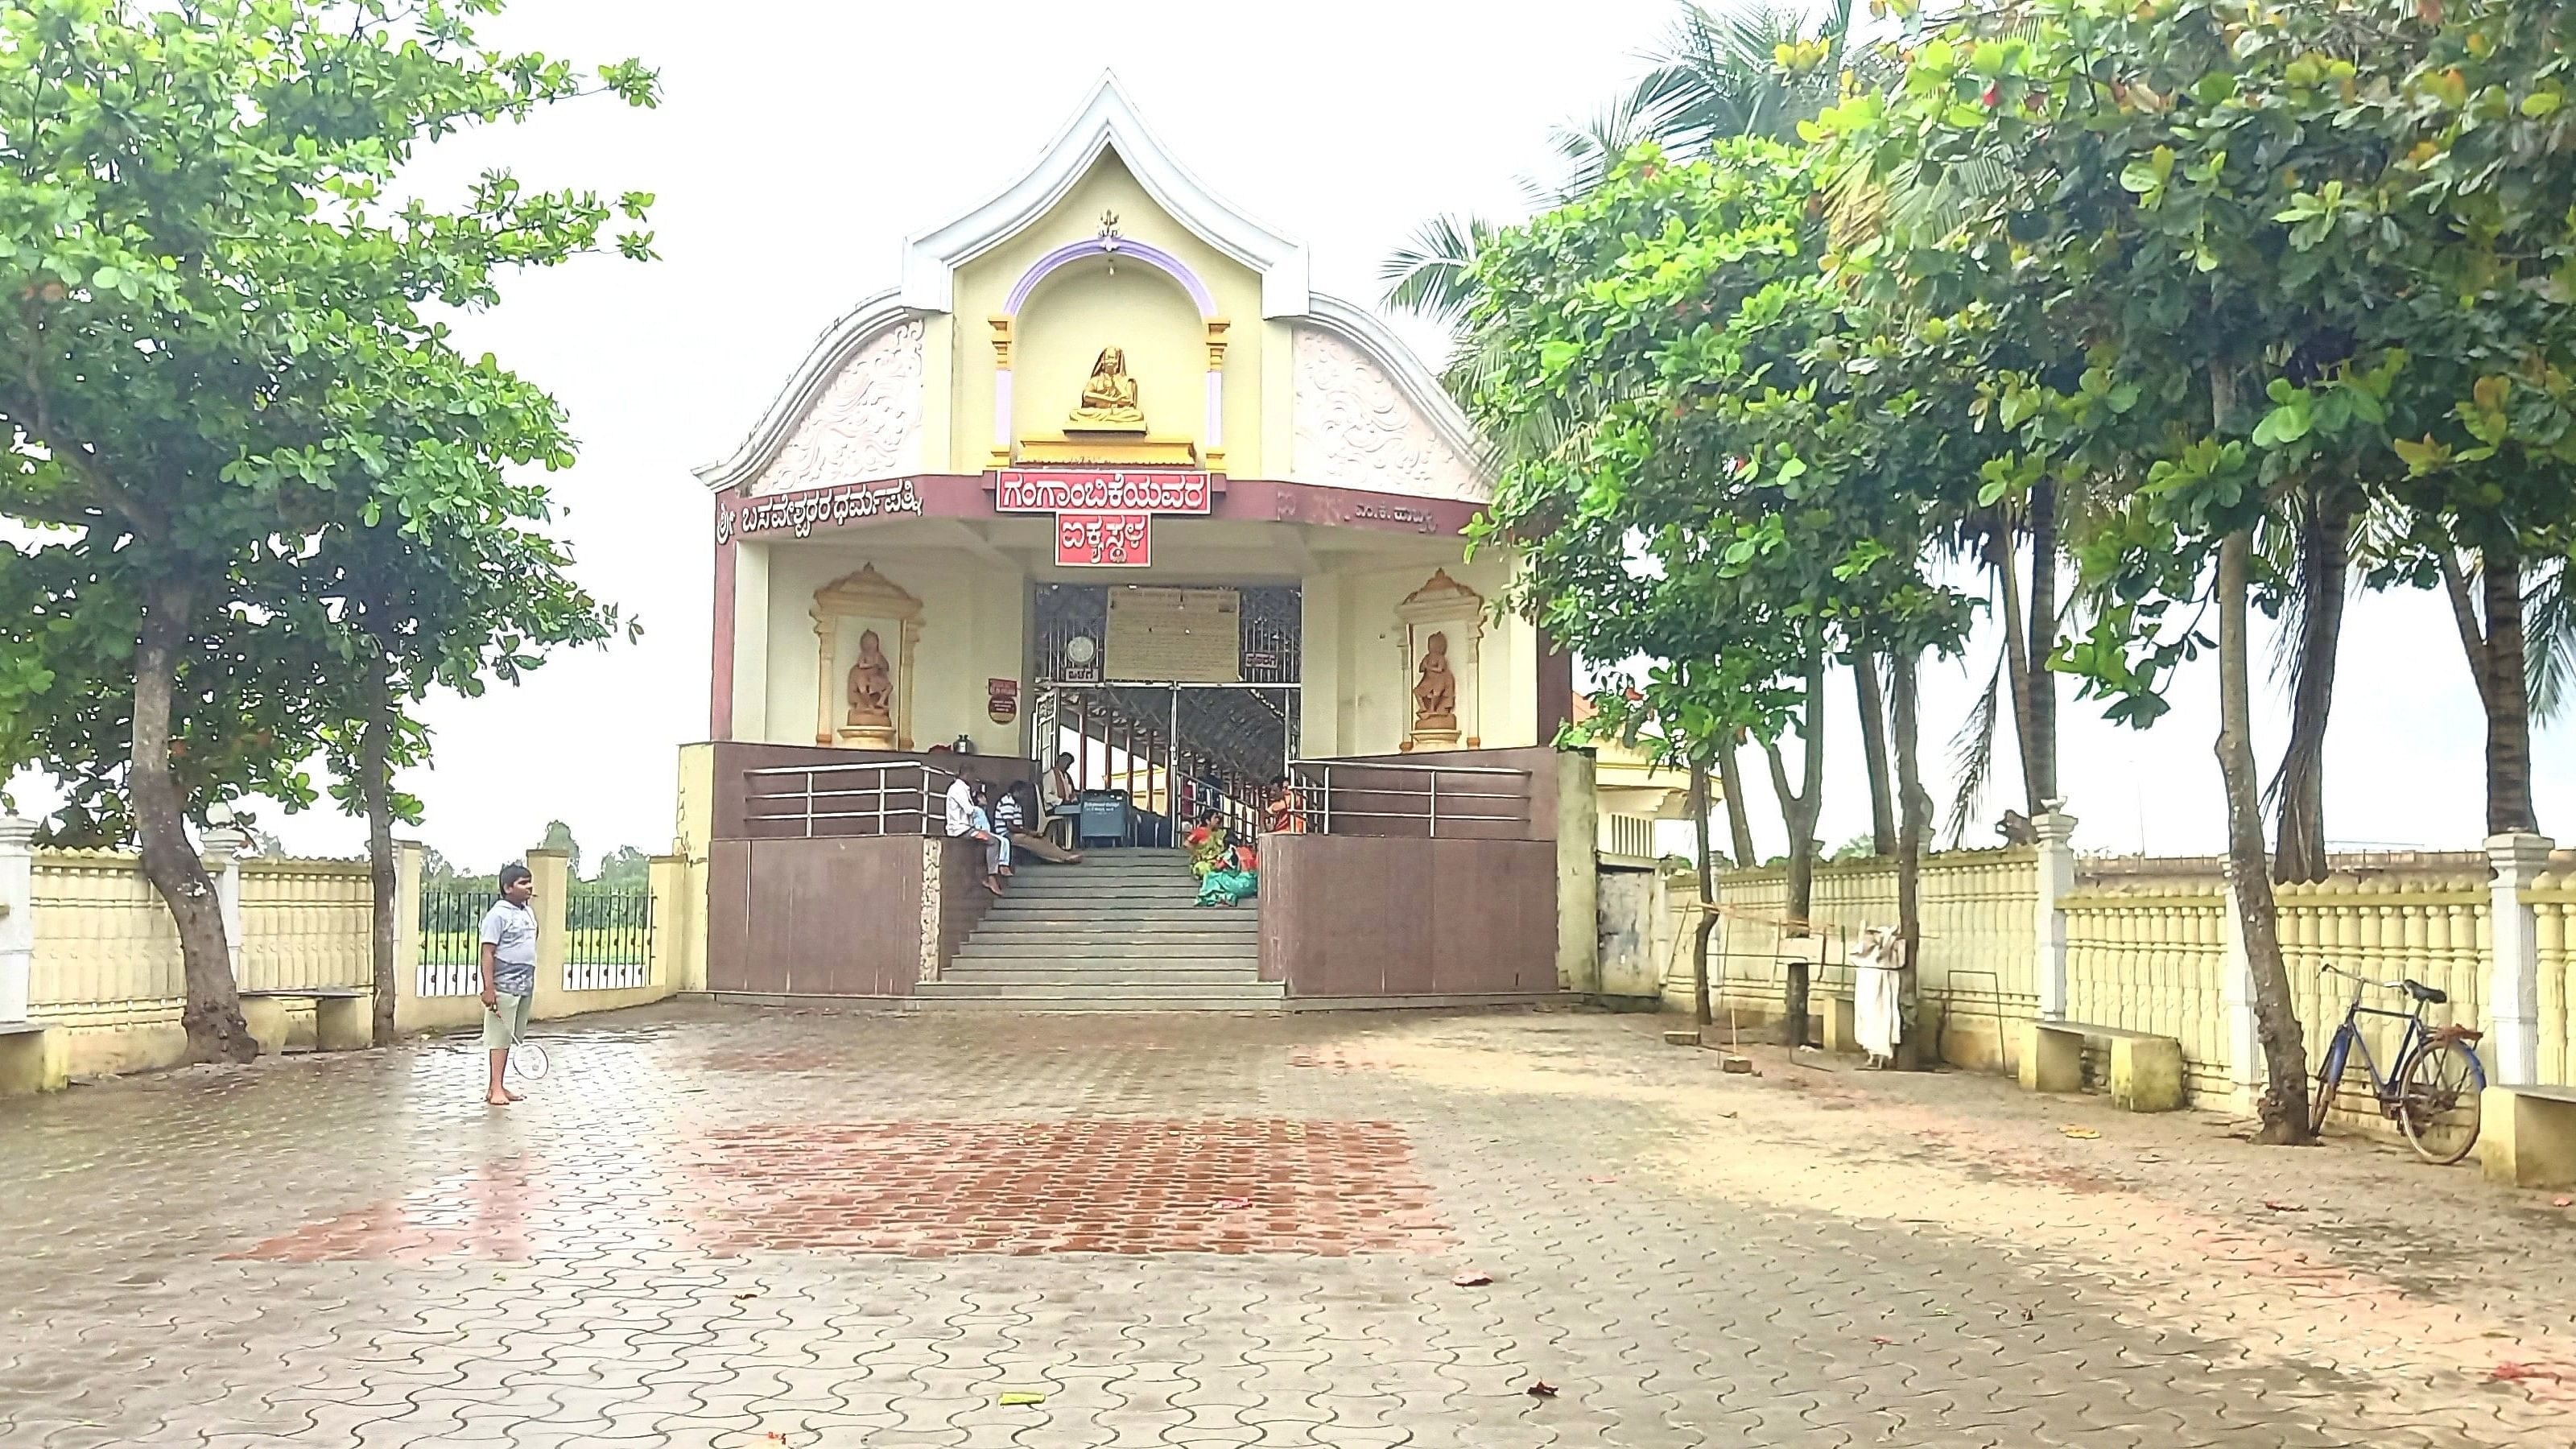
{"x": 718, "y": 1227}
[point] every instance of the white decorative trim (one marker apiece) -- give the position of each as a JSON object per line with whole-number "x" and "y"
{"x": 839, "y": 343}
{"x": 1107, "y": 121}
{"x": 1357, "y": 426}
{"x": 865, "y": 426}
{"x": 1361, "y": 327}
{"x": 932, "y": 908}
{"x": 1215, "y": 435}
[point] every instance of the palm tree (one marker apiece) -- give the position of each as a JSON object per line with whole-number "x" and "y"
{"x": 1750, "y": 70}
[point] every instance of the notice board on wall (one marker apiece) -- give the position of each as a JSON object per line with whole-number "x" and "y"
{"x": 1183, "y": 636}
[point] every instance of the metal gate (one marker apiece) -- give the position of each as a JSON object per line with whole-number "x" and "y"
{"x": 1176, "y": 747}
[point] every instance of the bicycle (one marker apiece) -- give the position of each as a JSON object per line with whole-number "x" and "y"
{"x": 2433, "y": 1092}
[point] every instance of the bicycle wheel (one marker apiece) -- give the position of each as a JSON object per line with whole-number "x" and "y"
{"x": 528, "y": 1061}
{"x": 2437, "y": 1100}
{"x": 2329, "y": 1081}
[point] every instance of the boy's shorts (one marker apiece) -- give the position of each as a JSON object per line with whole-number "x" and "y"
{"x": 503, "y": 1025}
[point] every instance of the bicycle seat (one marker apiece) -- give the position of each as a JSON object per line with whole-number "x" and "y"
{"x": 2429, "y": 995}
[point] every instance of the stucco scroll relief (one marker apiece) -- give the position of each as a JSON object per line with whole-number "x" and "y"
{"x": 867, "y": 424}
{"x": 1356, "y": 429}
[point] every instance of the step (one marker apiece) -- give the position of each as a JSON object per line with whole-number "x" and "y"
{"x": 1203, "y": 958}
{"x": 1204, "y": 918}
{"x": 1005, "y": 1005}
{"x": 1242, "y": 993}
{"x": 962, "y": 973}
{"x": 1080, "y": 914}
{"x": 1101, "y": 890}
{"x": 1024, "y": 943}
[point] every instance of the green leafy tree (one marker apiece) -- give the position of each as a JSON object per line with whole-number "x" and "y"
{"x": 211, "y": 304}
{"x": 1682, "y": 478}
{"x": 558, "y": 836}
{"x": 625, "y": 866}
{"x": 2214, "y": 216}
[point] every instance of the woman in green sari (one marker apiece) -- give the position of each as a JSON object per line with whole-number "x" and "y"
{"x": 1207, "y": 845}
{"x": 1236, "y": 878}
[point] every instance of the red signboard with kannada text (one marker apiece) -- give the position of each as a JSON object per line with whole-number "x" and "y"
{"x": 1099, "y": 490}
{"x": 1104, "y": 540}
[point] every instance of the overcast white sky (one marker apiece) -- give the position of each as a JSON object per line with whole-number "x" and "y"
{"x": 800, "y": 140}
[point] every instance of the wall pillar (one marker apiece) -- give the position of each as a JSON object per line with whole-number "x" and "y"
{"x": 17, "y": 915}
{"x": 673, "y": 926}
{"x": 2513, "y": 988}
{"x": 222, "y": 850}
{"x": 2245, "y": 1066}
{"x": 1578, "y": 873}
{"x": 550, "y": 871}
{"x": 2056, "y": 834}
{"x": 410, "y": 863}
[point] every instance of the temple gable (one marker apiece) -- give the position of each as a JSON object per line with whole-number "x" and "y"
{"x": 1355, "y": 428}
{"x": 866, "y": 424}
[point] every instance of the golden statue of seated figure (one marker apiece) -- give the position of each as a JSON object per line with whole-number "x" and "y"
{"x": 1108, "y": 398}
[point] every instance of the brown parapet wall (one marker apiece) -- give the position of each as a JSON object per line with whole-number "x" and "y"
{"x": 1377, "y": 916}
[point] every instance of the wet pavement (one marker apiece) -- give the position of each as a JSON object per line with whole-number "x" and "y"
{"x": 716, "y": 1226}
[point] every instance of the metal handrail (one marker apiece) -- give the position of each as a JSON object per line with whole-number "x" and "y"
{"x": 884, "y": 791}
{"x": 1317, "y": 799}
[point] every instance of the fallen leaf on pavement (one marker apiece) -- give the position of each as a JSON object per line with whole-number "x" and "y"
{"x": 1874, "y": 1338}
{"x": 1600, "y": 1179}
{"x": 2562, "y": 1202}
{"x": 1017, "y": 1397}
{"x": 2080, "y": 1133}
{"x": 2509, "y": 1372}
{"x": 1472, "y": 1279}
{"x": 1228, "y": 1204}
{"x": 740, "y": 1296}
{"x": 2283, "y": 1207}
{"x": 1540, "y": 1389}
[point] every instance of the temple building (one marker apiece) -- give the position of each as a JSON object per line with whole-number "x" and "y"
{"x": 1103, "y": 475}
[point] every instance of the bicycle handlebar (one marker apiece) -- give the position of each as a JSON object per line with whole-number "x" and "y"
{"x": 2333, "y": 970}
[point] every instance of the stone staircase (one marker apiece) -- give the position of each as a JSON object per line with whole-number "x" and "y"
{"x": 1118, "y": 932}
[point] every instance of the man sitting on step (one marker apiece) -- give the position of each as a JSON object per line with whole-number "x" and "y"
{"x": 963, "y": 825}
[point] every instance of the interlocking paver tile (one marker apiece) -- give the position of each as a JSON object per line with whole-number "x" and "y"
{"x": 711, "y": 1227}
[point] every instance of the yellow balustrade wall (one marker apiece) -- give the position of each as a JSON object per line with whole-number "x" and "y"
{"x": 2429, "y": 927}
{"x": 1979, "y": 940}
{"x": 106, "y": 967}
{"x": 2154, "y": 959}
{"x": 305, "y": 923}
{"x": 2553, "y": 902}
{"x": 106, "y": 974}
{"x": 2146, "y": 949}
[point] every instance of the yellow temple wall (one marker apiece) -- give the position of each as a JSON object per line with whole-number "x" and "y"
{"x": 1359, "y": 690}
{"x": 972, "y": 617}
{"x": 1080, "y": 310}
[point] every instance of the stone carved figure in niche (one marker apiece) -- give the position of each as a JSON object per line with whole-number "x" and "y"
{"x": 872, "y": 686}
{"x": 1435, "y": 691}
{"x": 1109, "y": 397}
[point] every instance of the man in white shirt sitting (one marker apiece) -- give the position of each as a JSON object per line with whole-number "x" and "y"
{"x": 963, "y": 823}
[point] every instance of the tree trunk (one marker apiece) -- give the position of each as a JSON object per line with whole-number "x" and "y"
{"x": 212, "y": 1014}
{"x": 1799, "y": 811}
{"x": 1915, "y": 820}
{"x": 1999, "y": 555}
{"x": 2284, "y": 1106}
{"x": 2039, "y": 707}
{"x": 1700, "y": 1012}
{"x": 2507, "y": 697}
{"x": 1873, "y": 749}
{"x": 2325, "y": 556}
{"x": 375, "y": 782}
{"x": 1739, "y": 823}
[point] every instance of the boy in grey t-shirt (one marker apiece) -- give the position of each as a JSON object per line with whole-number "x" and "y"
{"x": 509, "y": 974}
